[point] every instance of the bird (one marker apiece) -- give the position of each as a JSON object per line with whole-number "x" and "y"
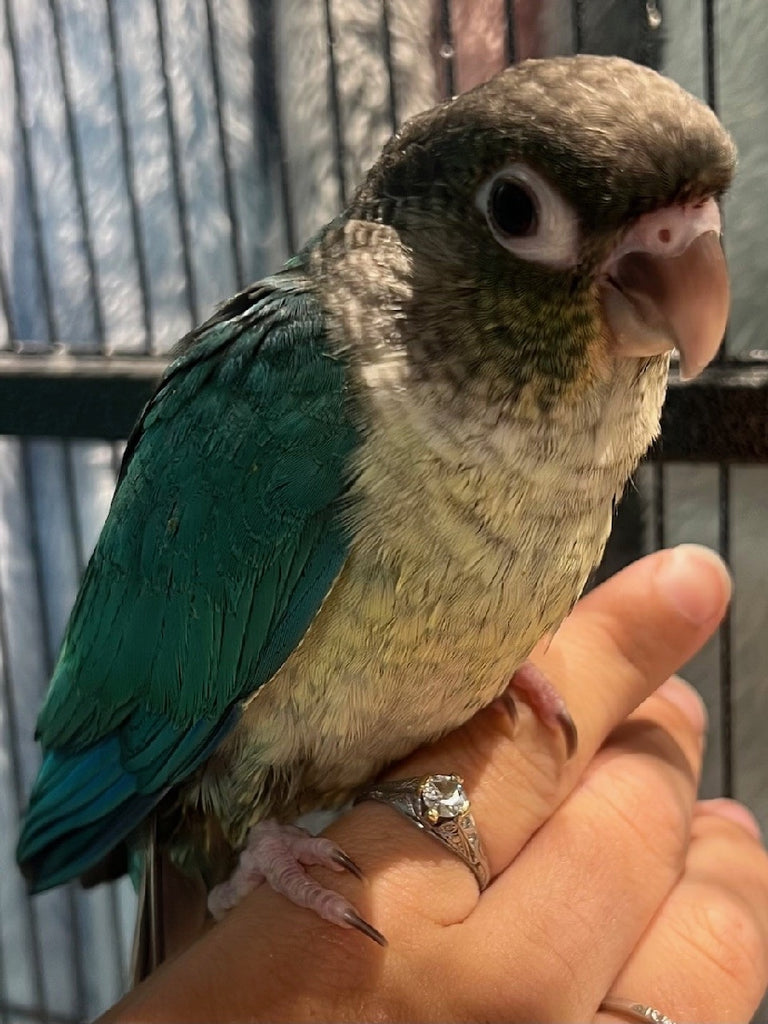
{"x": 372, "y": 482}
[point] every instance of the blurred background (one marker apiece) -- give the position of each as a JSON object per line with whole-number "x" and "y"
{"x": 156, "y": 155}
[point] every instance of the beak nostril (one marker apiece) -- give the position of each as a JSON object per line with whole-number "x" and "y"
{"x": 665, "y": 235}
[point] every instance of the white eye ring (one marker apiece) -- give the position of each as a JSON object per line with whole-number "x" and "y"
{"x": 555, "y": 239}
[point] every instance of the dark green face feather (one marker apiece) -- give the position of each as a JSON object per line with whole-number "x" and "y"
{"x": 616, "y": 140}
{"x": 221, "y": 542}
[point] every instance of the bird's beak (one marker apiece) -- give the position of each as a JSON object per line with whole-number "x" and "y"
{"x": 665, "y": 286}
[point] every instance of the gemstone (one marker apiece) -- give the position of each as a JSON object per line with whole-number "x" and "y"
{"x": 443, "y": 796}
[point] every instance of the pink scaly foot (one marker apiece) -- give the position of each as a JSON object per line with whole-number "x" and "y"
{"x": 539, "y": 694}
{"x": 277, "y": 854}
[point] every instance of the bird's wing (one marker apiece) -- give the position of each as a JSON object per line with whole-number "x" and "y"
{"x": 223, "y": 538}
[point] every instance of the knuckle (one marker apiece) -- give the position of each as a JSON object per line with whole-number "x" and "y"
{"x": 666, "y": 816}
{"x": 727, "y": 934}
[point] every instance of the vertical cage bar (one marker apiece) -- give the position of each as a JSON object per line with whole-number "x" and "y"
{"x": 726, "y": 675}
{"x": 178, "y": 182}
{"x": 126, "y": 154}
{"x": 386, "y": 28}
{"x": 724, "y": 474}
{"x": 510, "y": 42}
{"x": 447, "y": 51}
{"x": 226, "y": 168}
{"x": 577, "y": 24}
{"x": 75, "y": 931}
{"x": 5, "y": 1017}
{"x": 5, "y": 302}
{"x": 333, "y": 92}
{"x": 659, "y": 529}
{"x": 78, "y": 177}
{"x": 14, "y": 757}
{"x": 268, "y": 116}
{"x": 29, "y": 176}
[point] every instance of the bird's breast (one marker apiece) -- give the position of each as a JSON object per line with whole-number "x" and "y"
{"x": 469, "y": 544}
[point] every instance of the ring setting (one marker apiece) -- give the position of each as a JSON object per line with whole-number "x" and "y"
{"x": 439, "y": 805}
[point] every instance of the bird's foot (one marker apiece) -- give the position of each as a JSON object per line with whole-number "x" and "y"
{"x": 277, "y": 854}
{"x": 530, "y": 683}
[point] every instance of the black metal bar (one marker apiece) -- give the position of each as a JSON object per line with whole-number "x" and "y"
{"x": 725, "y": 638}
{"x": 447, "y": 50}
{"x": 577, "y": 23}
{"x": 710, "y": 89}
{"x": 723, "y": 477}
{"x": 226, "y": 168}
{"x": 85, "y": 397}
{"x": 335, "y": 104}
{"x": 267, "y": 114}
{"x": 659, "y": 506}
{"x": 710, "y": 42}
{"x": 178, "y": 182}
{"x": 130, "y": 176}
{"x": 721, "y": 416}
{"x": 78, "y": 177}
{"x": 386, "y": 28}
{"x": 29, "y": 176}
{"x": 14, "y": 757}
{"x": 509, "y": 27}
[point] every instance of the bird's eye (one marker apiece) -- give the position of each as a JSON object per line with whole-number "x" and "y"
{"x": 512, "y": 209}
{"x": 529, "y": 217}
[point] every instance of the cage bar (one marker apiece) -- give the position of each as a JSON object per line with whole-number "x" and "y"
{"x": 126, "y": 153}
{"x": 179, "y": 191}
{"x": 76, "y": 160}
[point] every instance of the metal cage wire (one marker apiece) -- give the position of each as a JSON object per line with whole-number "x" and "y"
{"x": 66, "y": 958}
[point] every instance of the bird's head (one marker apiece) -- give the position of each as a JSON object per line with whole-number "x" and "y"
{"x": 560, "y": 220}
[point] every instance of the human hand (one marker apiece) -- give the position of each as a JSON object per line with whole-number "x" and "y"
{"x": 610, "y": 881}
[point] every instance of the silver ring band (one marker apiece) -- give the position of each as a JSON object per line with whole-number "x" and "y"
{"x": 439, "y": 805}
{"x": 638, "y": 1012}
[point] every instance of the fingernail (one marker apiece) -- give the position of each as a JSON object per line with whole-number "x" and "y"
{"x": 687, "y": 700}
{"x": 733, "y": 811}
{"x": 695, "y": 581}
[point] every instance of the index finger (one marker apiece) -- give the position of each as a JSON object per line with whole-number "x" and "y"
{"x": 626, "y": 637}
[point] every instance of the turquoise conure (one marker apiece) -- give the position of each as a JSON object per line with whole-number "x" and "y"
{"x": 369, "y": 484}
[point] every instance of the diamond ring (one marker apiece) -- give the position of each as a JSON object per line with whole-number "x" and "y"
{"x": 439, "y": 805}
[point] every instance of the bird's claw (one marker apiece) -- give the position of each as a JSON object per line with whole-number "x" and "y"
{"x": 530, "y": 683}
{"x": 278, "y": 854}
{"x": 347, "y": 863}
{"x": 351, "y": 917}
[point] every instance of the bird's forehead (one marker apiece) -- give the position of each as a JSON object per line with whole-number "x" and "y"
{"x": 607, "y": 132}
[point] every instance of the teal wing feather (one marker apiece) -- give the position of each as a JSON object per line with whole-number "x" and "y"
{"x": 224, "y": 535}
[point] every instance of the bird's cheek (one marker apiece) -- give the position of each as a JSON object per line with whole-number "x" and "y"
{"x": 655, "y": 303}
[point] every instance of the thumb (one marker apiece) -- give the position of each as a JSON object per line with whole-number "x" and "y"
{"x": 634, "y": 631}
